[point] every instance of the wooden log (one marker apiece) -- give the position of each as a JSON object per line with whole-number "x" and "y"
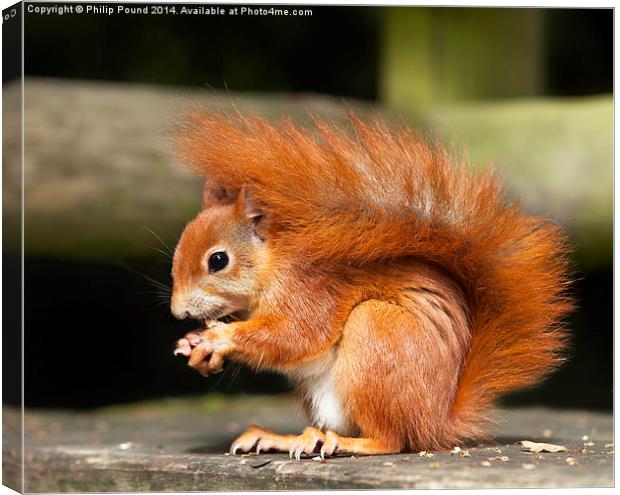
{"x": 99, "y": 167}
{"x": 100, "y": 172}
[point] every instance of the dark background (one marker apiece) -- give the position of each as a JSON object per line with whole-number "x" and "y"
{"x": 334, "y": 52}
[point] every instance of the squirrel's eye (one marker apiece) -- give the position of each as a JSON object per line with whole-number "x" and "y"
{"x": 218, "y": 261}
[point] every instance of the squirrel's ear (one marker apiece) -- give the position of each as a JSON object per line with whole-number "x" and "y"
{"x": 216, "y": 195}
{"x": 247, "y": 207}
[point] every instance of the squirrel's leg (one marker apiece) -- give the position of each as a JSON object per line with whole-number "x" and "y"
{"x": 396, "y": 369}
{"x": 263, "y": 440}
{"x": 334, "y": 443}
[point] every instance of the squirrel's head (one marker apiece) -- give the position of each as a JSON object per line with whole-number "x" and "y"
{"x": 218, "y": 257}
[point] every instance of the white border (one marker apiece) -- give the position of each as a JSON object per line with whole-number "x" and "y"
{"x": 457, "y": 3}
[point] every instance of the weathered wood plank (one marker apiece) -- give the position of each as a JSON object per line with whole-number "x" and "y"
{"x": 180, "y": 446}
{"x": 12, "y": 460}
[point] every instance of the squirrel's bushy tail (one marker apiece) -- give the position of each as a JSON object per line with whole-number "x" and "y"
{"x": 369, "y": 193}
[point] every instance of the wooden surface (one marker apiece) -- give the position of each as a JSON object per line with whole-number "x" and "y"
{"x": 180, "y": 445}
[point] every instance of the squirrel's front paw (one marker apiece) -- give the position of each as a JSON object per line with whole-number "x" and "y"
{"x": 185, "y": 345}
{"x": 207, "y": 349}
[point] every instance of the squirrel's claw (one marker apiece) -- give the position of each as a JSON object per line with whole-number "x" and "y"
{"x": 183, "y": 347}
{"x": 306, "y": 443}
{"x": 330, "y": 445}
{"x": 245, "y": 443}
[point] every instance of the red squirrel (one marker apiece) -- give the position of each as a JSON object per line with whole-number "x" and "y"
{"x": 398, "y": 289}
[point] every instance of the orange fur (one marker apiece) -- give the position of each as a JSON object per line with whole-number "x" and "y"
{"x": 433, "y": 293}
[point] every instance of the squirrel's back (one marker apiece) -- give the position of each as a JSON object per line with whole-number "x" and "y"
{"x": 371, "y": 193}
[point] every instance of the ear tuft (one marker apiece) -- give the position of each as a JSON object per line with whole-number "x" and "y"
{"x": 216, "y": 195}
{"x": 247, "y": 207}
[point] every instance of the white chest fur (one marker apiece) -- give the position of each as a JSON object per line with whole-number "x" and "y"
{"x": 317, "y": 382}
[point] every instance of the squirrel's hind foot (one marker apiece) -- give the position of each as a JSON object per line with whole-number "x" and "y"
{"x": 311, "y": 441}
{"x": 264, "y": 440}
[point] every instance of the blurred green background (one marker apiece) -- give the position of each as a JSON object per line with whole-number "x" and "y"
{"x": 527, "y": 90}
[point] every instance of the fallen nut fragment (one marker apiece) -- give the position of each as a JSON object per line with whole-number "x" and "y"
{"x": 485, "y": 463}
{"x": 541, "y": 447}
{"x": 465, "y": 453}
{"x": 527, "y": 467}
{"x": 571, "y": 461}
{"x": 455, "y": 450}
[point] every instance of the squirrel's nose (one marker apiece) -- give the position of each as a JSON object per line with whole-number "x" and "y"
{"x": 181, "y": 315}
{"x": 178, "y": 309}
